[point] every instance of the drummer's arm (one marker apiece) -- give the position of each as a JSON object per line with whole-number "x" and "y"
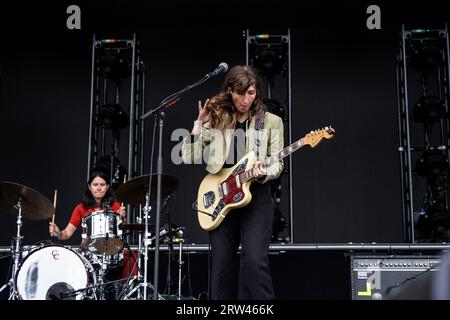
{"x": 67, "y": 232}
{"x": 62, "y": 234}
{"x": 123, "y": 213}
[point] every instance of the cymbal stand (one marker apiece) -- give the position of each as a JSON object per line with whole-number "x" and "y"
{"x": 16, "y": 254}
{"x": 143, "y": 279}
{"x": 139, "y": 263}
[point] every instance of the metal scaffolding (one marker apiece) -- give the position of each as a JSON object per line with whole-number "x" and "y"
{"x": 423, "y": 78}
{"x": 117, "y": 102}
{"x": 271, "y": 55}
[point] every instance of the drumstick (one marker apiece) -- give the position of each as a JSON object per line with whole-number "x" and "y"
{"x": 124, "y": 180}
{"x": 54, "y": 205}
{"x": 55, "y": 196}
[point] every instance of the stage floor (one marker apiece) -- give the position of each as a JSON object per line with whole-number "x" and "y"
{"x": 299, "y": 271}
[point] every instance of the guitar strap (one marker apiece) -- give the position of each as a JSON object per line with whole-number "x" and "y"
{"x": 259, "y": 125}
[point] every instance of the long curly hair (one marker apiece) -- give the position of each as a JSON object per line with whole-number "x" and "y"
{"x": 88, "y": 198}
{"x": 239, "y": 79}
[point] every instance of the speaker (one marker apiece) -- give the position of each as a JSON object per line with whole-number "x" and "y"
{"x": 384, "y": 277}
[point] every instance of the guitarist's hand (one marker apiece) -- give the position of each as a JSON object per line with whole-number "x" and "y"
{"x": 259, "y": 171}
{"x": 204, "y": 115}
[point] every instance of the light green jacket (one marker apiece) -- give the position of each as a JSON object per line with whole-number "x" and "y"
{"x": 214, "y": 145}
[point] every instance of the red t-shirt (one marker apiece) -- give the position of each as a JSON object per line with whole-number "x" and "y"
{"x": 79, "y": 213}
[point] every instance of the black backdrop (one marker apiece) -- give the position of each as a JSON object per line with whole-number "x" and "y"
{"x": 343, "y": 74}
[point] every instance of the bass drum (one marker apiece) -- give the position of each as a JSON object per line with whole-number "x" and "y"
{"x": 54, "y": 273}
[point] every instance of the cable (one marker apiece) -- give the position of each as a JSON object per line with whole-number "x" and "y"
{"x": 400, "y": 284}
{"x": 195, "y": 208}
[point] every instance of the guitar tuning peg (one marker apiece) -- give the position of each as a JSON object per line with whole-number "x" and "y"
{"x": 312, "y": 132}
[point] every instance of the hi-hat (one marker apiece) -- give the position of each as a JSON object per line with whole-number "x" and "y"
{"x": 35, "y": 206}
{"x": 134, "y": 190}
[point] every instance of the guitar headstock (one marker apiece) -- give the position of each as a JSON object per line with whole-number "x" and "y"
{"x": 315, "y": 137}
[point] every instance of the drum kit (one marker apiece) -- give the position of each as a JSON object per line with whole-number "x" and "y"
{"x": 52, "y": 271}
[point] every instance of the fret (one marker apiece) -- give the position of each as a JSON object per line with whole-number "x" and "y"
{"x": 285, "y": 152}
{"x": 274, "y": 158}
{"x": 245, "y": 176}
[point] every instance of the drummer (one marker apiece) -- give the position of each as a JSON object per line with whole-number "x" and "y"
{"x": 97, "y": 197}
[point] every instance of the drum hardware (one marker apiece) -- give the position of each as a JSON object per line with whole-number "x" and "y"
{"x": 138, "y": 191}
{"x": 91, "y": 288}
{"x": 143, "y": 284}
{"x": 102, "y": 264}
{"x": 16, "y": 253}
{"x": 106, "y": 262}
{"x": 179, "y": 238}
{"x": 26, "y": 203}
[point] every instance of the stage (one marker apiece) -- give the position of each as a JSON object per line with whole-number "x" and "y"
{"x": 299, "y": 271}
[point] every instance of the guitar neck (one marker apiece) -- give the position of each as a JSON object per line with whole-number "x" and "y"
{"x": 284, "y": 153}
{"x": 247, "y": 175}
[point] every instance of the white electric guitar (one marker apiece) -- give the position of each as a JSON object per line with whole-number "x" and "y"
{"x": 219, "y": 193}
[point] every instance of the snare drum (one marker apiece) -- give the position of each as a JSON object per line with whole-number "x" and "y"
{"x": 101, "y": 233}
{"x": 54, "y": 272}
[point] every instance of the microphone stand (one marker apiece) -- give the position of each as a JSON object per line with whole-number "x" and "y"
{"x": 167, "y": 102}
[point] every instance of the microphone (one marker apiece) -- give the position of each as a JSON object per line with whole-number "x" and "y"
{"x": 106, "y": 203}
{"x": 221, "y": 68}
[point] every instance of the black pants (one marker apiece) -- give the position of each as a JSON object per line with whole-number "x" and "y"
{"x": 252, "y": 227}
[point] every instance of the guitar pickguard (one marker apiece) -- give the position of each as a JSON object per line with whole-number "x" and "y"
{"x": 240, "y": 167}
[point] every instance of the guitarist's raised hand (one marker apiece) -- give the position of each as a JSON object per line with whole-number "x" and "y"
{"x": 259, "y": 170}
{"x": 204, "y": 115}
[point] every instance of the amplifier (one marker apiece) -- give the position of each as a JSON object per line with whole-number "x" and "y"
{"x": 382, "y": 277}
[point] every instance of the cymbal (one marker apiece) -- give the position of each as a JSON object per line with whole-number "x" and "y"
{"x": 134, "y": 190}
{"x": 35, "y": 206}
{"x": 136, "y": 227}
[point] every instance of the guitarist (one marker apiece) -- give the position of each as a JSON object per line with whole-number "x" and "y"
{"x": 228, "y": 126}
